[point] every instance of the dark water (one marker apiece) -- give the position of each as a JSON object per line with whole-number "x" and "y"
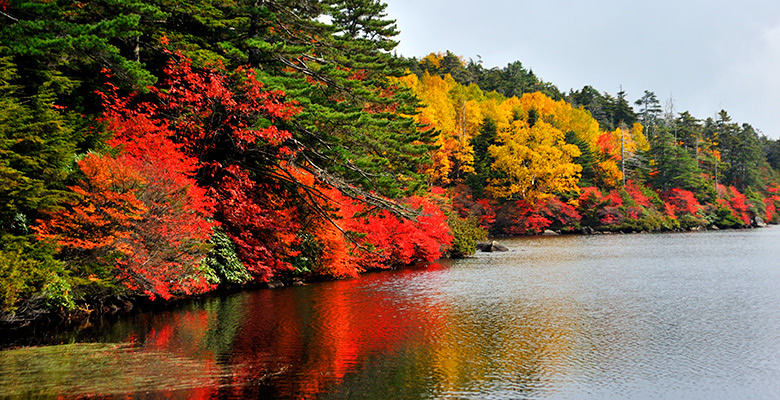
{"x": 670, "y": 316}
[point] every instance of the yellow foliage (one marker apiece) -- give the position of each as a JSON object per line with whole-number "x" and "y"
{"x": 454, "y": 111}
{"x": 631, "y": 140}
{"x": 535, "y": 159}
{"x": 535, "y": 162}
{"x": 638, "y": 137}
{"x": 608, "y": 174}
{"x": 434, "y": 58}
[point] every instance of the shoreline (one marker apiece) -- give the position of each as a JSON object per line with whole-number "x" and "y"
{"x": 40, "y": 324}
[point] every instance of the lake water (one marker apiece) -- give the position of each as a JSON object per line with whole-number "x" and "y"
{"x": 654, "y": 316}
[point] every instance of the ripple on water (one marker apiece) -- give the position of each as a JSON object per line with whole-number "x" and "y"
{"x": 590, "y": 317}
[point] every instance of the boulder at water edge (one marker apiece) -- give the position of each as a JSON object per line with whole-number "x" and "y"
{"x": 489, "y": 247}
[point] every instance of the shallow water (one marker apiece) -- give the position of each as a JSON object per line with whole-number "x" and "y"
{"x": 667, "y": 316}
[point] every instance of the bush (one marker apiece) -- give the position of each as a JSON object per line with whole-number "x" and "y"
{"x": 466, "y": 233}
{"x": 670, "y": 224}
{"x": 25, "y": 271}
{"x": 689, "y": 221}
{"x": 651, "y": 221}
{"x": 722, "y": 217}
{"x": 222, "y": 264}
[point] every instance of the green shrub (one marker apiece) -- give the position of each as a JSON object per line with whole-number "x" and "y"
{"x": 670, "y": 224}
{"x": 465, "y": 235}
{"x": 722, "y": 218}
{"x": 26, "y": 270}
{"x": 222, "y": 264}
{"x": 689, "y": 221}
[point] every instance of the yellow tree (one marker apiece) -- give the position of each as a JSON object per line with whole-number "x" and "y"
{"x": 454, "y": 111}
{"x": 437, "y": 113}
{"x": 457, "y": 112}
{"x": 534, "y": 161}
{"x": 466, "y": 101}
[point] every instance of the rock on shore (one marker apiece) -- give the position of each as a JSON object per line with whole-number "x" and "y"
{"x": 492, "y": 246}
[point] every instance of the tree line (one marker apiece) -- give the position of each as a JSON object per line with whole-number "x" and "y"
{"x": 165, "y": 149}
{"x": 525, "y": 160}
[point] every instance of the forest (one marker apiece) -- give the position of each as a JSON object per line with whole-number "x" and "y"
{"x": 159, "y": 150}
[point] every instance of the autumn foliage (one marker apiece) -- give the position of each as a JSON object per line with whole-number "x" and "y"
{"x": 681, "y": 202}
{"x": 244, "y": 145}
{"x": 207, "y": 152}
{"x": 140, "y": 218}
{"x": 355, "y": 237}
{"x": 396, "y": 241}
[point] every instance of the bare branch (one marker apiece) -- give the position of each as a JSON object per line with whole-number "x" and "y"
{"x": 9, "y": 16}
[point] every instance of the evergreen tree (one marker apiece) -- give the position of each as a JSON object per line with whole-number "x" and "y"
{"x": 621, "y": 111}
{"x": 673, "y": 167}
{"x": 596, "y": 103}
{"x": 36, "y": 147}
{"x": 740, "y": 151}
{"x": 772, "y": 152}
{"x": 649, "y": 111}
{"x": 744, "y": 159}
{"x": 77, "y": 40}
{"x": 482, "y": 158}
{"x": 689, "y": 133}
{"x": 587, "y": 159}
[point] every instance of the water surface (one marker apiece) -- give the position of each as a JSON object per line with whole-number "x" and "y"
{"x": 658, "y": 316}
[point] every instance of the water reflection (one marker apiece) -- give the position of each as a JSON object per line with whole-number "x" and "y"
{"x": 567, "y": 317}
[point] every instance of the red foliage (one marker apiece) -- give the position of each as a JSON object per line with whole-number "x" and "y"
{"x": 735, "y": 201}
{"x": 633, "y": 212}
{"x": 386, "y": 240}
{"x": 142, "y": 206}
{"x": 210, "y": 106}
{"x": 224, "y": 120}
{"x": 614, "y": 199}
{"x": 358, "y": 75}
{"x": 636, "y": 194}
{"x": 260, "y": 224}
{"x": 336, "y": 259}
{"x": 590, "y": 198}
{"x": 607, "y": 144}
{"x": 680, "y": 202}
{"x": 523, "y": 218}
{"x": 771, "y": 208}
{"x": 739, "y": 205}
{"x": 485, "y": 210}
{"x": 592, "y": 203}
{"x": 610, "y": 215}
{"x": 215, "y": 116}
{"x": 771, "y": 201}
{"x": 607, "y": 210}
{"x": 101, "y": 222}
{"x": 438, "y": 191}
{"x": 487, "y": 213}
{"x": 357, "y": 237}
{"x": 564, "y": 213}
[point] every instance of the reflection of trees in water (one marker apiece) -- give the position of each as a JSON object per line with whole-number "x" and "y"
{"x": 88, "y": 370}
{"x": 378, "y": 336}
{"x": 511, "y": 349}
{"x": 325, "y": 333}
{"x": 166, "y": 351}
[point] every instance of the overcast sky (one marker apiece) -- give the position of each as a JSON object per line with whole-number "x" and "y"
{"x": 706, "y": 55}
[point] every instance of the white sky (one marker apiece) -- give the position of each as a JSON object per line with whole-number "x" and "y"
{"x": 706, "y": 55}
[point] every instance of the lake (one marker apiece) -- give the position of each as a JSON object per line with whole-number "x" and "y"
{"x": 644, "y": 316}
